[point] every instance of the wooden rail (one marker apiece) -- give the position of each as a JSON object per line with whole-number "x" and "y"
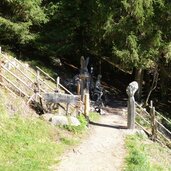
{"x": 163, "y": 117}
{"x": 32, "y": 94}
{"x": 2, "y": 84}
{"x": 154, "y": 123}
{"x": 28, "y": 71}
{"x": 15, "y": 86}
{"x": 18, "y": 78}
{"x": 46, "y": 74}
{"x": 60, "y": 85}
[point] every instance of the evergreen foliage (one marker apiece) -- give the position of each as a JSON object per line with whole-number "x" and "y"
{"x": 19, "y": 19}
{"x": 132, "y": 33}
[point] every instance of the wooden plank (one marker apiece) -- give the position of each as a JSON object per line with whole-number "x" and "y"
{"x": 61, "y": 98}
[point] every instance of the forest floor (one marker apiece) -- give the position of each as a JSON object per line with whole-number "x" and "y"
{"x": 103, "y": 149}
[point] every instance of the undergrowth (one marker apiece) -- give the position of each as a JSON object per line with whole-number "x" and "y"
{"x": 141, "y": 155}
{"x": 83, "y": 123}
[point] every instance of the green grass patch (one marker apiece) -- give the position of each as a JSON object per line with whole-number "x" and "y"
{"x": 84, "y": 123}
{"x": 141, "y": 155}
{"x": 78, "y": 129}
{"x": 94, "y": 116}
{"x": 28, "y": 144}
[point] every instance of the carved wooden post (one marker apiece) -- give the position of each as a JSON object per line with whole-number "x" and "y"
{"x": 84, "y": 77}
{"x": 131, "y": 89}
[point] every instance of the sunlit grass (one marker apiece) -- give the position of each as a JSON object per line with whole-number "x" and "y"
{"x": 142, "y": 155}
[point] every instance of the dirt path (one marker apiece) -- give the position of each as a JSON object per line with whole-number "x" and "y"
{"x": 103, "y": 150}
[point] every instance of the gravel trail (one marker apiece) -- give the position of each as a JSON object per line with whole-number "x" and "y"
{"x": 102, "y": 150}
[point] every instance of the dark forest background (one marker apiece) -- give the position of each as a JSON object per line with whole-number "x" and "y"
{"x": 131, "y": 40}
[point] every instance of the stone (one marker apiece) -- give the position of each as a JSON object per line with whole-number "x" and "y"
{"x": 102, "y": 112}
{"x": 47, "y": 116}
{"x": 74, "y": 121}
{"x": 64, "y": 120}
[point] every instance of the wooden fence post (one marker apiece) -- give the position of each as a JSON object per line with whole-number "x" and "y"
{"x": 131, "y": 89}
{"x": 86, "y": 105}
{"x": 0, "y": 66}
{"x": 78, "y": 87}
{"x": 37, "y": 86}
{"x": 153, "y": 122}
{"x": 57, "y": 83}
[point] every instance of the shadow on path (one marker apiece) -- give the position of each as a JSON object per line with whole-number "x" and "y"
{"x": 109, "y": 126}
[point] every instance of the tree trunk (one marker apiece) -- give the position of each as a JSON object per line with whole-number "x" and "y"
{"x": 139, "y": 73}
{"x": 163, "y": 84}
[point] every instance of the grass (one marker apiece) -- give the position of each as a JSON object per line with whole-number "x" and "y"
{"x": 83, "y": 126}
{"x": 27, "y": 143}
{"x": 94, "y": 116}
{"x": 31, "y": 144}
{"x": 142, "y": 155}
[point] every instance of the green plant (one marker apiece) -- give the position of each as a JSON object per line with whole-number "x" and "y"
{"x": 80, "y": 128}
{"x": 141, "y": 155}
{"x": 94, "y": 116}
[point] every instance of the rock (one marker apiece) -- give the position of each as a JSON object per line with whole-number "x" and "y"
{"x": 102, "y": 112}
{"x": 74, "y": 121}
{"x": 64, "y": 120}
{"x": 47, "y": 116}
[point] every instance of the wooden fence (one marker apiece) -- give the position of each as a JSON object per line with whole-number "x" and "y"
{"x": 151, "y": 123}
{"x": 32, "y": 85}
